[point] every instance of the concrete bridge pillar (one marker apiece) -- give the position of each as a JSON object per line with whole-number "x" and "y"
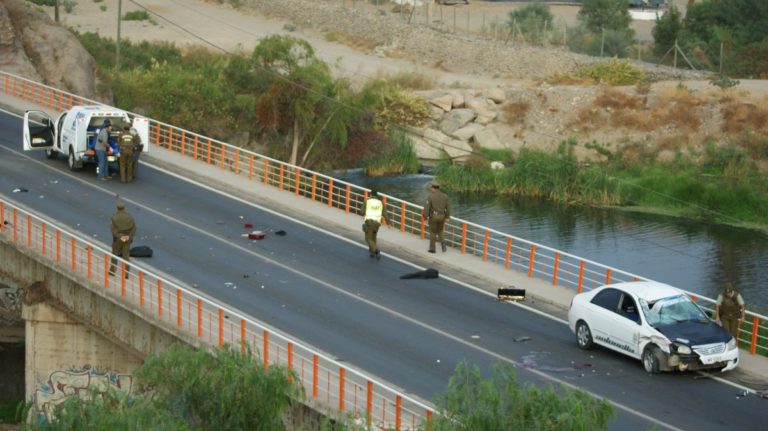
{"x": 65, "y": 357}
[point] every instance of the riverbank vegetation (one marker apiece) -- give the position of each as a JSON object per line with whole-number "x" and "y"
{"x": 724, "y": 185}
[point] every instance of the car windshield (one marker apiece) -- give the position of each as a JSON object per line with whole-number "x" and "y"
{"x": 672, "y": 309}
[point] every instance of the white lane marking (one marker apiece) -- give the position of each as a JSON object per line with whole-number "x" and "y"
{"x": 426, "y": 326}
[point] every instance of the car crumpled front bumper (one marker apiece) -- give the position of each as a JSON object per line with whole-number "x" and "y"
{"x": 727, "y": 360}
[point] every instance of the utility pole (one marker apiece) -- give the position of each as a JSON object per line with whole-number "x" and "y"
{"x": 117, "y": 49}
{"x": 56, "y": 11}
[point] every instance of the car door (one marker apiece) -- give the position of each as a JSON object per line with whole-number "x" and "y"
{"x": 142, "y": 127}
{"x": 626, "y": 327}
{"x": 601, "y": 315}
{"x": 39, "y": 131}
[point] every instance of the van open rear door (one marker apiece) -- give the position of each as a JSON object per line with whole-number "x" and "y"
{"x": 39, "y": 131}
{"x": 142, "y": 127}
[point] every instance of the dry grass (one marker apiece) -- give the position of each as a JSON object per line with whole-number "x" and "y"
{"x": 409, "y": 80}
{"x": 740, "y": 116}
{"x": 677, "y": 106}
{"x": 569, "y": 79}
{"x": 515, "y": 112}
{"x": 614, "y": 108}
{"x": 361, "y": 43}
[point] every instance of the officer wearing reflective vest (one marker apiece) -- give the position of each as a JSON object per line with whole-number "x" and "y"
{"x": 126, "y": 154}
{"x": 374, "y": 215}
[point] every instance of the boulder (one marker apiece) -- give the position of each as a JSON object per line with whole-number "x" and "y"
{"x": 60, "y": 59}
{"x": 13, "y": 59}
{"x": 497, "y": 165}
{"x": 486, "y": 138}
{"x": 435, "y": 113}
{"x": 444, "y": 102}
{"x": 428, "y": 143}
{"x": 484, "y": 108}
{"x": 497, "y": 95}
{"x": 455, "y": 120}
{"x": 458, "y": 100}
{"x": 467, "y": 132}
{"x": 458, "y": 150}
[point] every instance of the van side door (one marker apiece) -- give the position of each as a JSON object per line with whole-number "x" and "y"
{"x": 142, "y": 127}
{"x": 39, "y": 131}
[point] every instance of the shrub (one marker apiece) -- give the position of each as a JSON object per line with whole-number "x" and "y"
{"x": 502, "y": 403}
{"x": 43, "y": 2}
{"x": 613, "y": 71}
{"x": 136, "y": 15}
{"x": 392, "y": 107}
{"x": 69, "y": 5}
{"x": 533, "y": 19}
{"x": 399, "y": 160}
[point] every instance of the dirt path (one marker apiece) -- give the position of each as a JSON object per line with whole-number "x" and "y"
{"x": 219, "y": 26}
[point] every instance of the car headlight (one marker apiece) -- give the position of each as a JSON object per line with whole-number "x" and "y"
{"x": 685, "y": 350}
{"x": 732, "y": 344}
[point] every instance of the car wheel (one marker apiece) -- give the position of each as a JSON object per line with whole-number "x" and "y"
{"x": 51, "y": 154}
{"x": 584, "y": 336}
{"x": 651, "y": 359}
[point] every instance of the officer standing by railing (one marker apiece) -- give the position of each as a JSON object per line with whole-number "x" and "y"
{"x": 437, "y": 212}
{"x": 730, "y": 309}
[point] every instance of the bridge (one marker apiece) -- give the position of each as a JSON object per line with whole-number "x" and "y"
{"x": 363, "y": 341}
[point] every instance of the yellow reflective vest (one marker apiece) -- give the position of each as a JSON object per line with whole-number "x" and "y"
{"x": 373, "y": 209}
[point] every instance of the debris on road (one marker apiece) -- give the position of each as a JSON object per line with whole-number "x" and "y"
{"x": 20, "y": 190}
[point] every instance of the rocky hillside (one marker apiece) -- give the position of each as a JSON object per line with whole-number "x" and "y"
{"x": 35, "y": 47}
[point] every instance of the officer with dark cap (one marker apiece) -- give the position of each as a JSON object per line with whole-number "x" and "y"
{"x": 437, "y": 213}
{"x": 103, "y": 149}
{"x": 374, "y": 215}
{"x": 123, "y": 231}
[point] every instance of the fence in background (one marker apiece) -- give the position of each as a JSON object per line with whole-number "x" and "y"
{"x": 536, "y": 260}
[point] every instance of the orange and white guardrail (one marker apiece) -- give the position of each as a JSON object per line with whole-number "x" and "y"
{"x": 536, "y": 260}
{"x": 325, "y": 381}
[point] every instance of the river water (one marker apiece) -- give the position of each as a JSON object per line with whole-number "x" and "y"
{"x": 694, "y": 256}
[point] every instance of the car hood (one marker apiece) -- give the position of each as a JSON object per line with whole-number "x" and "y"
{"x": 695, "y": 332}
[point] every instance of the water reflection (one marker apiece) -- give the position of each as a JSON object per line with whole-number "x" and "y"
{"x": 694, "y": 256}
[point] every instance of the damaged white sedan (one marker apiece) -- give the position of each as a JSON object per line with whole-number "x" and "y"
{"x": 653, "y": 322}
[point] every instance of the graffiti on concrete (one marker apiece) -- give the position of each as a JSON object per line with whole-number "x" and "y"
{"x": 62, "y": 384}
{"x": 10, "y": 305}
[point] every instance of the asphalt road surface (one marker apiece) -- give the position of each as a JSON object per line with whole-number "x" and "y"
{"x": 328, "y": 293}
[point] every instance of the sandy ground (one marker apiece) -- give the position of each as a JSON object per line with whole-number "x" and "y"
{"x": 196, "y": 22}
{"x": 220, "y": 26}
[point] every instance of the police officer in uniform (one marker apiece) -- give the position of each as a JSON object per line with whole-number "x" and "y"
{"x": 138, "y": 147}
{"x": 123, "y": 230}
{"x": 730, "y": 310}
{"x": 374, "y": 214}
{"x": 126, "y": 155}
{"x": 437, "y": 212}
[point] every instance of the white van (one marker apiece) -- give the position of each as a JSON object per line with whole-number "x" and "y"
{"x": 74, "y": 132}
